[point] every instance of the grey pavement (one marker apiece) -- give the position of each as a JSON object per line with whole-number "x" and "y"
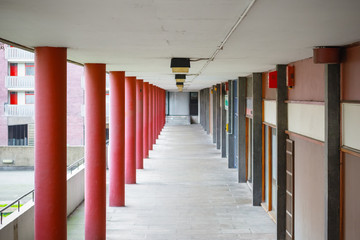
{"x": 185, "y": 191}
{"x": 14, "y": 184}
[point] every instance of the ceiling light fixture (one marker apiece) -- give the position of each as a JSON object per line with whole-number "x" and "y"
{"x": 180, "y": 65}
{"x": 180, "y": 78}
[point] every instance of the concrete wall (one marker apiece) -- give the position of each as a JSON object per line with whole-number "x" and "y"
{"x": 23, "y": 156}
{"x": 20, "y": 225}
{"x": 179, "y": 103}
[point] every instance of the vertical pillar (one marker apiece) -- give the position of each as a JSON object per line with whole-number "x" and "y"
{"x": 117, "y": 139}
{"x": 139, "y": 124}
{"x": 257, "y": 139}
{"x": 281, "y": 126}
{"x": 218, "y": 116}
{"x": 130, "y": 130}
{"x": 231, "y": 157}
{"x": 241, "y": 93}
{"x": 95, "y": 152}
{"x": 154, "y": 114}
{"x": 146, "y": 120}
{"x": 332, "y": 150}
{"x": 223, "y": 121}
{"x": 215, "y": 91}
{"x": 151, "y": 117}
{"x": 50, "y": 149}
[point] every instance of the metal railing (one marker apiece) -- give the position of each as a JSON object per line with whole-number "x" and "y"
{"x": 27, "y": 110}
{"x": 20, "y": 82}
{"x": 12, "y": 53}
{"x": 17, "y": 201}
{"x": 75, "y": 165}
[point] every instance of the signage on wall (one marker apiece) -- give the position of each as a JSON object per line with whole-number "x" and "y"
{"x": 226, "y": 102}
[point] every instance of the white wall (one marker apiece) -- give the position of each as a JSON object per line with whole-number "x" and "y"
{"x": 350, "y": 125}
{"x": 307, "y": 120}
{"x": 270, "y": 112}
{"x": 179, "y": 103}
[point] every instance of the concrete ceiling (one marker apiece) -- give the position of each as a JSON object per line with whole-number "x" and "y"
{"x": 141, "y": 36}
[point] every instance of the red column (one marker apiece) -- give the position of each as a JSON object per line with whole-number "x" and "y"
{"x": 95, "y": 152}
{"x": 151, "y": 133}
{"x": 139, "y": 124}
{"x": 154, "y": 114}
{"x": 130, "y": 130}
{"x": 117, "y": 140}
{"x": 50, "y": 143}
{"x": 146, "y": 120}
{"x": 157, "y": 112}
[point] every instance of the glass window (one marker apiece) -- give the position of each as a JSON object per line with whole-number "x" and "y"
{"x": 29, "y": 69}
{"x": 29, "y": 97}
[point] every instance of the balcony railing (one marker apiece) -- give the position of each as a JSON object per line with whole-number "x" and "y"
{"x": 17, "y": 54}
{"x": 17, "y": 82}
{"x": 107, "y": 82}
{"x": 107, "y": 110}
{"x": 27, "y": 110}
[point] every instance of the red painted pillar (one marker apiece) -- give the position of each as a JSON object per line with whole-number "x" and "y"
{"x": 157, "y": 112}
{"x": 130, "y": 130}
{"x": 117, "y": 140}
{"x": 95, "y": 151}
{"x": 50, "y": 143}
{"x": 146, "y": 120}
{"x": 154, "y": 114}
{"x": 139, "y": 124}
{"x": 151, "y": 117}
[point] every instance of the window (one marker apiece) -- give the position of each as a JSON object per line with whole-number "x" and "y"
{"x": 29, "y": 69}
{"x": 13, "y": 98}
{"x": 29, "y": 97}
{"x": 13, "y": 70}
{"x": 17, "y": 135}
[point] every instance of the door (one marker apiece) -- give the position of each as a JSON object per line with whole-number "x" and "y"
{"x": 13, "y": 98}
{"x": 13, "y": 69}
{"x": 289, "y": 189}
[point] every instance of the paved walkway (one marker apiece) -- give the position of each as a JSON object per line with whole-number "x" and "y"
{"x": 185, "y": 191}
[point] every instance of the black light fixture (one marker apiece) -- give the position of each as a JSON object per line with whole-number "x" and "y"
{"x": 180, "y": 78}
{"x": 180, "y": 65}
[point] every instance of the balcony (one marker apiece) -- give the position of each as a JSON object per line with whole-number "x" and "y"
{"x": 27, "y": 110}
{"x": 20, "y": 83}
{"x": 18, "y": 55}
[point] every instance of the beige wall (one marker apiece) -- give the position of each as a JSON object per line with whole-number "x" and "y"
{"x": 23, "y": 156}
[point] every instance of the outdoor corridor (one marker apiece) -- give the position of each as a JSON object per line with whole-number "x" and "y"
{"x": 185, "y": 191}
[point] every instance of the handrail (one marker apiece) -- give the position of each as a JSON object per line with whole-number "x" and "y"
{"x": 18, "y": 203}
{"x": 70, "y": 168}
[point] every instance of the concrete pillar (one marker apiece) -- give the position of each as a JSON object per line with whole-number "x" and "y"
{"x": 231, "y": 116}
{"x": 117, "y": 140}
{"x": 223, "y": 121}
{"x": 130, "y": 130}
{"x": 218, "y": 116}
{"x": 332, "y": 150}
{"x": 50, "y": 143}
{"x": 241, "y": 93}
{"x": 281, "y": 126}
{"x": 207, "y": 110}
{"x": 151, "y": 132}
{"x": 215, "y": 92}
{"x": 139, "y": 124}
{"x": 146, "y": 120}
{"x": 257, "y": 139}
{"x": 95, "y": 151}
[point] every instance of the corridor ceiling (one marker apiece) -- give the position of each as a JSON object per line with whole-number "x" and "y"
{"x": 141, "y": 36}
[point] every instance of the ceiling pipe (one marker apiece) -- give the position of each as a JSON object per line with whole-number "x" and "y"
{"x": 221, "y": 47}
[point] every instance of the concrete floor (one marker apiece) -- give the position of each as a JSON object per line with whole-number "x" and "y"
{"x": 185, "y": 191}
{"x": 14, "y": 184}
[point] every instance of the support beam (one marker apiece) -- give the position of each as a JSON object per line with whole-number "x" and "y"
{"x": 241, "y": 93}
{"x": 332, "y": 150}
{"x": 146, "y": 120}
{"x": 223, "y": 121}
{"x": 214, "y": 112}
{"x": 218, "y": 116}
{"x": 130, "y": 130}
{"x": 231, "y": 116}
{"x": 50, "y": 149}
{"x": 95, "y": 151}
{"x": 139, "y": 124}
{"x": 257, "y": 138}
{"x": 281, "y": 126}
{"x": 117, "y": 140}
